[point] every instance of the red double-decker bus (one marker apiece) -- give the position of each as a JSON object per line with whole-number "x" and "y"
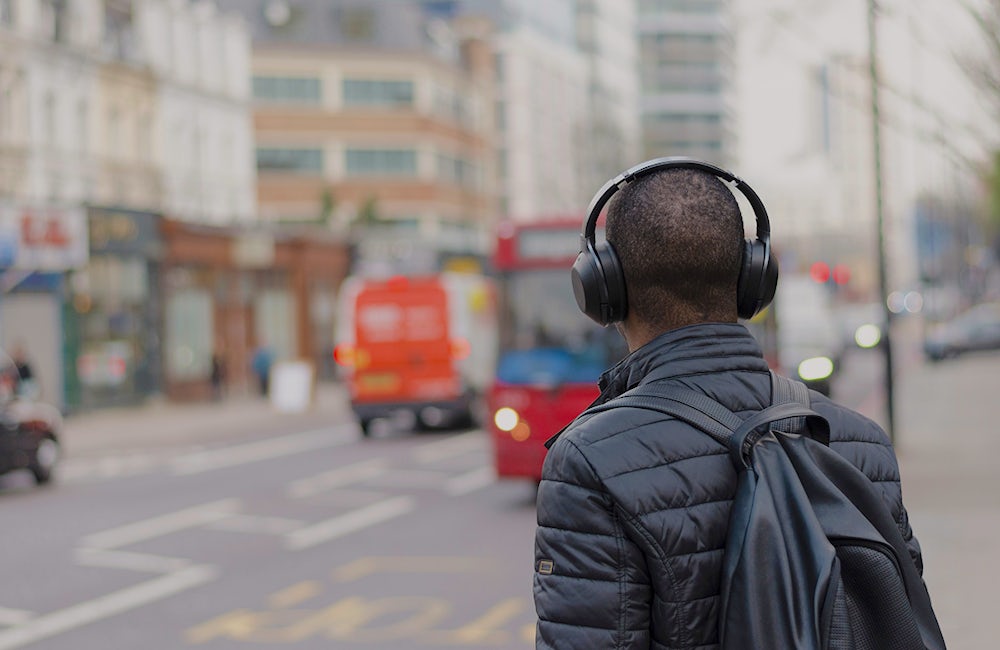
{"x": 550, "y": 355}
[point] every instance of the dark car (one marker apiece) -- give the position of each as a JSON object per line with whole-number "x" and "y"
{"x": 29, "y": 429}
{"x": 976, "y": 329}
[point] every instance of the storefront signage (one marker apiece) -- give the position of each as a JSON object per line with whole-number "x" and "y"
{"x": 253, "y": 250}
{"x": 43, "y": 239}
{"x": 124, "y": 231}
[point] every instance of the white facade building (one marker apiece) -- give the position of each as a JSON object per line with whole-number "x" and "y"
{"x": 543, "y": 117}
{"x": 110, "y": 106}
{"x": 65, "y": 120}
{"x": 606, "y": 37}
{"x": 201, "y": 58}
{"x": 543, "y": 107}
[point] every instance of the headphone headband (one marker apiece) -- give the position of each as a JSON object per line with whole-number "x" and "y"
{"x": 673, "y": 162}
{"x": 599, "y": 280}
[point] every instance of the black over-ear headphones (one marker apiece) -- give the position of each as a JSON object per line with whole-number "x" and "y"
{"x": 598, "y": 279}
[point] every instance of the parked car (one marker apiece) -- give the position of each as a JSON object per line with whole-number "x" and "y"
{"x": 29, "y": 428}
{"x": 976, "y": 329}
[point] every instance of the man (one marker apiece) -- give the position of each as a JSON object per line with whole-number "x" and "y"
{"x": 633, "y": 506}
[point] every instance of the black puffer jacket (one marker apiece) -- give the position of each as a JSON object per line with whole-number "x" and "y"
{"x": 633, "y": 505}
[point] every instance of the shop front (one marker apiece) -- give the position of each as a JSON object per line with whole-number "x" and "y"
{"x": 228, "y": 292}
{"x": 38, "y": 245}
{"x": 113, "y": 323}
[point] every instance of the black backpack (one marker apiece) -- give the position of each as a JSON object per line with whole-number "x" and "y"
{"x": 813, "y": 559}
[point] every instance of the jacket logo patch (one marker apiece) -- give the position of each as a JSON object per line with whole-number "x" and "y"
{"x": 545, "y": 567}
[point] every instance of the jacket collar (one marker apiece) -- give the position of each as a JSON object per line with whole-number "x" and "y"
{"x": 693, "y": 349}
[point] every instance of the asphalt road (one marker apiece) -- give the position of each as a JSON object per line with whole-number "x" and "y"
{"x": 311, "y": 539}
{"x": 299, "y": 539}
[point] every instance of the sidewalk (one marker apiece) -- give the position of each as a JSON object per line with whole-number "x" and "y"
{"x": 162, "y": 423}
{"x": 948, "y": 442}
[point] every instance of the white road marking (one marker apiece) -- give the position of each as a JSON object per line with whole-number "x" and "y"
{"x": 450, "y": 447}
{"x": 14, "y": 616}
{"x": 83, "y": 469}
{"x": 411, "y": 478}
{"x": 162, "y": 525}
{"x": 471, "y": 481}
{"x": 255, "y": 524}
{"x": 130, "y": 561}
{"x": 335, "y": 478}
{"x": 117, "y": 602}
{"x": 351, "y": 522}
{"x": 252, "y": 452}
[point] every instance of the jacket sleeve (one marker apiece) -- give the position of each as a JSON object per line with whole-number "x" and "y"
{"x": 591, "y": 587}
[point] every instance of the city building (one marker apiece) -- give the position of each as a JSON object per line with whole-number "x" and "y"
{"x": 544, "y": 122}
{"x": 686, "y": 69}
{"x": 47, "y": 81}
{"x": 605, "y": 33}
{"x": 203, "y": 129}
{"x": 375, "y": 118}
{"x": 125, "y": 128}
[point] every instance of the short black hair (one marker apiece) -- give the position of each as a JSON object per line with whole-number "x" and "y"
{"x": 679, "y": 236}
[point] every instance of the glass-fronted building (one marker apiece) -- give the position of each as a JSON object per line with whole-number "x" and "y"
{"x": 686, "y": 56}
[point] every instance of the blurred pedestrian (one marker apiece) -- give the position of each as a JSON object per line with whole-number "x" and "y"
{"x": 26, "y": 381}
{"x": 263, "y": 359}
{"x": 218, "y": 374}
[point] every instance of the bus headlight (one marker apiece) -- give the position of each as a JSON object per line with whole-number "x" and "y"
{"x": 868, "y": 336}
{"x": 815, "y": 368}
{"x": 506, "y": 418}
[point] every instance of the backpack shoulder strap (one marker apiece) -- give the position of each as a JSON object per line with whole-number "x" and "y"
{"x": 696, "y": 409}
{"x": 784, "y": 391}
{"x": 711, "y": 417}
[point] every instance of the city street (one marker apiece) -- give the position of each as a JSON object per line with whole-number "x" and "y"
{"x": 293, "y": 531}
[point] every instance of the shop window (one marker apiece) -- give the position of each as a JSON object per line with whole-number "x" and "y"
{"x": 274, "y": 321}
{"x": 189, "y": 328}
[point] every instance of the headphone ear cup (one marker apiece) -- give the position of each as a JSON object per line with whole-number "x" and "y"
{"x": 758, "y": 279}
{"x": 599, "y": 284}
{"x": 587, "y": 281}
{"x": 614, "y": 280}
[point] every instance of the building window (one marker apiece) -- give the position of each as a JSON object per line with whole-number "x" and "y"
{"x": 683, "y": 119}
{"x": 371, "y": 92}
{"x": 381, "y": 162}
{"x": 288, "y": 90}
{"x": 49, "y": 118}
{"x": 83, "y": 122}
{"x": 53, "y": 20}
{"x": 647, "y": 7}
{"x": 118, "y": 39}
{"x": 356, "y": 23}
{"x": 7, "y": 17}
{"x": 457, "y": 171}
{"x": 290, "y": 160}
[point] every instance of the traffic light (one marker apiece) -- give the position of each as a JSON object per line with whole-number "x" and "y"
{"x": 820, "y": 272}
{"x": 836, "y": 276}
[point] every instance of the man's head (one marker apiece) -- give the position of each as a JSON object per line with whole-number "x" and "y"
{"x": 679, "y": 237}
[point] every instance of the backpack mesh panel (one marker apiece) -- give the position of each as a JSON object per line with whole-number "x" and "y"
{"x": 877, "y": 610}
{"x": 840, "y": 629}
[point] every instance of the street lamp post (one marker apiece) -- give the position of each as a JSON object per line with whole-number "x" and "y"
{"x": 880, "y": 218}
